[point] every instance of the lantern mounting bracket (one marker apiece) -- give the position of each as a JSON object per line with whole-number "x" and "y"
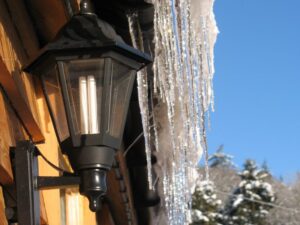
{"x": 28, "y": 183}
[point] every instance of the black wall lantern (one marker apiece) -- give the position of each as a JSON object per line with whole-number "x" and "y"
{"x": 87, "y": 75}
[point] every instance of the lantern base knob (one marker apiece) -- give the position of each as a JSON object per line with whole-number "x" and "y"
{"x": 93, "y": 186}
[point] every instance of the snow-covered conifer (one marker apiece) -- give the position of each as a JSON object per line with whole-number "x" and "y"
{"x": 205, "y": 205}
{"x": 219, "y": 158}
{"x": 252, "y": 200}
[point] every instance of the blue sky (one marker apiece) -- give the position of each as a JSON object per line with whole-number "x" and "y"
{"x": 257, "y": 83}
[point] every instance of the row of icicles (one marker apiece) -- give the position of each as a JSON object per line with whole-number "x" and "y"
{"x": 181, "y": 87}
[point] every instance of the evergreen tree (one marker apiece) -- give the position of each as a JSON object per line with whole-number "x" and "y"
{"x": 250, "y": 202}
{"x": 205, "y": 205}
{"x": 219, "y": 158}
{"x": 265, "y": 168}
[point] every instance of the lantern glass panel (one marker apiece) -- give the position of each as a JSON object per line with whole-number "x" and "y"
{"x": 99, "y": 92}
{"x": 117, "y": 98}
{"x": 51, "y": 85}
{"x": 85, "y": 79}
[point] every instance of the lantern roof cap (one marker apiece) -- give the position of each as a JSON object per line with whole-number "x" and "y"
{"x": 84, "y": 32}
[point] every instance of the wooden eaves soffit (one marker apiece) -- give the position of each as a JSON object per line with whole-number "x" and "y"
{"x": 25, "y": 27}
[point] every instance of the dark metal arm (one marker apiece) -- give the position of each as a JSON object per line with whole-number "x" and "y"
{"x": 46, "y": 183}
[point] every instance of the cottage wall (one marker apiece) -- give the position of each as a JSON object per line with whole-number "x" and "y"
{"x": 18, "y": 43}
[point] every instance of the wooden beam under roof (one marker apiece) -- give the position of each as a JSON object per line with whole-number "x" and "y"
{"x": 23, "y": 26}
{"x": 18, "y": 103}
{"x": 48, "y": 16}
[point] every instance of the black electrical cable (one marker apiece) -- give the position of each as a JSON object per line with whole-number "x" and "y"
{"x": 53, "y": 165}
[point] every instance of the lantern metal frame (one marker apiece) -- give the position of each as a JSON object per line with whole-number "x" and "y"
{"x": 96, "y": 40}
{"x": 70, "y": 46}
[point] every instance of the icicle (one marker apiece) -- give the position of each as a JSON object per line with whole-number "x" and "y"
{"x": 142, "y": 82}
{"x": 154, "y": 121}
